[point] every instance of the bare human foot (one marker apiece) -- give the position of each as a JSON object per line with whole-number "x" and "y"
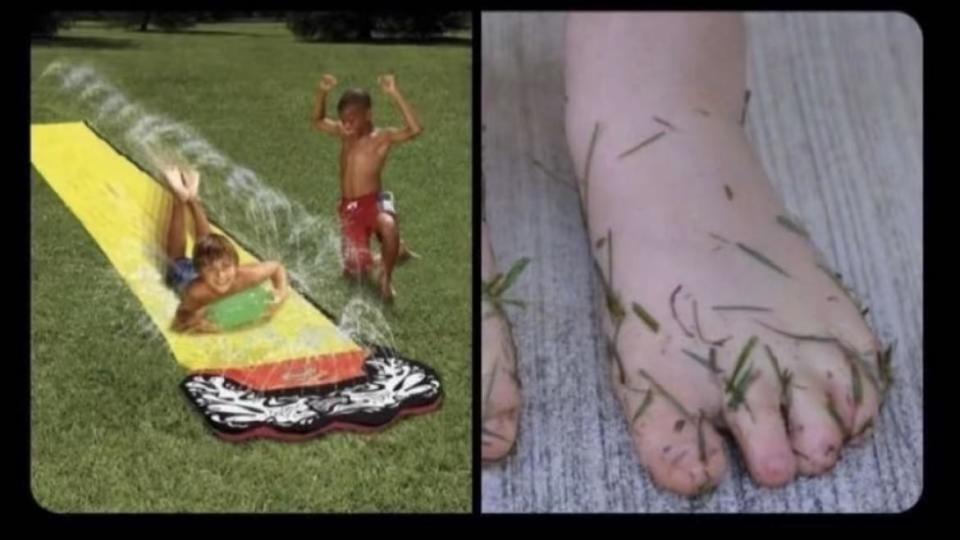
{"x": 720, "y": 313}
{"x": 386, "y": 288}
{"x": 406, "y": 253}
{"x": 377, "y": 275}
{"x": 500, "y": 408}
{"x": 191, "y": 178}
{"x": 176, "y": 182}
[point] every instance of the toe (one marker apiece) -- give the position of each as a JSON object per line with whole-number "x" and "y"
{"x": 865, "y": 415}
{"x": 501, "y": 415}
{"x": 684, "y": 455}
{"x": 844, "y": 383}
{"x": 501, "y": 400}
{"x": 852, "y": 395}
{"x": 761, "y": 434}
{"x": 499, "y": 432}
{"x": 856, "y": 390}
{"x": 814, "y": 433}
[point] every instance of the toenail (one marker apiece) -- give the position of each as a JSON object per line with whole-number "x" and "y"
{"x": 679, "y": 426}
{"x": 776, "y": 466}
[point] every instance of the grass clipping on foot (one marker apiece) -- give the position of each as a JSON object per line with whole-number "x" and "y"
{"x": 494, "y": 289}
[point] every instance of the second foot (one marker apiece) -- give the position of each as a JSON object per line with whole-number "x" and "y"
{"x": 406, "y": 254}
{"x": 387, "y": 291}
{"x": 500, "y": 405}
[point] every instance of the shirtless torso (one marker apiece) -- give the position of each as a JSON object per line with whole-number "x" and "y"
{"x": 361, "y": 162}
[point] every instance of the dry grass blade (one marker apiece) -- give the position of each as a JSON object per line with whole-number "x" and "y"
{"x": 642, "y": 143}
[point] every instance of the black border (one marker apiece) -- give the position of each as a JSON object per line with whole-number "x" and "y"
{"x": 477, "y": 216}
{"x": 935, "y": 419}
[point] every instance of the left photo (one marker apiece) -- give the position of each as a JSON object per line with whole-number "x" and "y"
{"x": 251, "y": 246}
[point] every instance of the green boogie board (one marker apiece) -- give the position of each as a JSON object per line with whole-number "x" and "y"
{"x": 240, "y": 309}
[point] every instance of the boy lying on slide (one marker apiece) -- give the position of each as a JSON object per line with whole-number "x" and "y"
{"x": 214, "y": 271}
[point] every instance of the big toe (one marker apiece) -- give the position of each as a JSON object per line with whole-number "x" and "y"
{"x": 500, "y": 408}
{"x": 499, "y": 432}
{"x": 501, "y": 414}
{"x": 683, "y": 454}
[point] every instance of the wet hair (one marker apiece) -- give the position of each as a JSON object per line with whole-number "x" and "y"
{"x": 212, "y": 248}
{"x": 352, "y": 97}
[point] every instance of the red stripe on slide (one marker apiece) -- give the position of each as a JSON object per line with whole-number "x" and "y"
{"x": 298, "y": 372}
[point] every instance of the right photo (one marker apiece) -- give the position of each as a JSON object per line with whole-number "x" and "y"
{"x": 702, "y": 262}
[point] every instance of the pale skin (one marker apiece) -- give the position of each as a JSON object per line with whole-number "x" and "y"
{"x": 500, "y": 405}
{"x": 220, "y": 278}
{"x": 363, "y": 154}
{"x": 813, "y": 379}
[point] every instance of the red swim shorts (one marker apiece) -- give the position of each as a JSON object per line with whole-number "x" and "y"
{"x": 358, "y": 220}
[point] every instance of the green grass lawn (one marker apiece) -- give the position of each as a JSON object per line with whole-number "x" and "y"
{"x": 111, "y": 430}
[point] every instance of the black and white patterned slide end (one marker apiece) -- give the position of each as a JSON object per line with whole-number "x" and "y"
{"x": 393, "y": 387}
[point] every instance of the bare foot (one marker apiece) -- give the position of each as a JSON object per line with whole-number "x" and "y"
{"x": 192, "y": 183}
{"x": 406, "y": 253}
{"x": 176, "y": 183}
{"x": 387, "y": 290}
{"x": 501, "y": 386}
{"x": 720, "y": 314}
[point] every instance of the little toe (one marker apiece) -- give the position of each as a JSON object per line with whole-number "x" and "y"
{"x": 815, "y": 435}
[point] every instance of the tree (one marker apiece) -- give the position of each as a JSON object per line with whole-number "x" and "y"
{"x": 174, "y": 20}
{"x": 271, "y": 15}
{"x": 331, "y": 25}
{"x": 423, "y": 24}
{"x": 47, "y": 24}
{"x": 365, "y": 26}
{"x": 143, "y": 20}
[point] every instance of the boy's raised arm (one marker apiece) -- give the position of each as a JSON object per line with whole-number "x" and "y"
{"x": 413, "y": 128}
{"x": 320, "y": 120}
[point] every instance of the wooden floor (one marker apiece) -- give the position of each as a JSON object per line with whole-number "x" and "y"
{"x": 836, "y": 115}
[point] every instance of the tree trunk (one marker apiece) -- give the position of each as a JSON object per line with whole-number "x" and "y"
{"x": 145, "y": 22}
{"x": 364, "y": 28}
